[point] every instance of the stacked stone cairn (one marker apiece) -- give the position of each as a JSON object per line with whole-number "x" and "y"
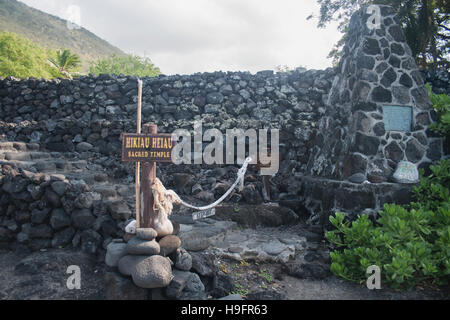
{"x": 158, "y": 267}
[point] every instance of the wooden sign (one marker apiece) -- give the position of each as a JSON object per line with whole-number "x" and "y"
{"x": 147, "y": 147}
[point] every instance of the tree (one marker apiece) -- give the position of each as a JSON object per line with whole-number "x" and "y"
{"x": 426, "y": 24}
{"x": 21, "y": 58}
{"x": 128, "y": 65}
{"x": 65, "y": 61}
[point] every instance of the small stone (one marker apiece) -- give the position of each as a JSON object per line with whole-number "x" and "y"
{"x": 235, "y": 249}
{"x": 59, "y": 219}
{"x": 394, "y": 152}
{"x": 142, "y": 247}
{"x": 371, "y": 46}
{"x": 146, "y": 233}
{"x": 60, "y": 187}
{"x": 119, "y": 210}
{"x": 223, "y": 284}
{"x": 152, "y": 272}
{"x": 406, "y": 172}
{"x": 84, "y": 201}
{"x": 114, "y": 252}
{"x": 379, "y": 129}
{"x": 401, "y": 94}
{"x": 214, "y": 98}
{"x": 406, "y": 80}
{"x": 379, "y": 94}
{"x": 169, "y": 244}
{"x": 357, "y": 178}
{"x": 274, "y": 247}
{"x": 203, "y": 264}
{"x": 414, "y": 151}
{"x": 84, "y": 146}
{"x": 183, "y": 260}
{"x": 39, "y": 216}
{"x": 83, "y": 219}
{"x": 177, "y": 285}
{"x": 52, "y": 198}
{"x": 194, "y": 241}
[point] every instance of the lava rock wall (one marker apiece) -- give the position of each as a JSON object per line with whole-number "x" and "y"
{"x": 62, "y": 114}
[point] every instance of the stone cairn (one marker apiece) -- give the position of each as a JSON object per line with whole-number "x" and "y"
{"x": 158, "y": 267}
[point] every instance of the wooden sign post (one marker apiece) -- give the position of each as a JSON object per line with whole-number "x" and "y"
{"x": 138, "y": 164}
{"x": 149, "y": 148}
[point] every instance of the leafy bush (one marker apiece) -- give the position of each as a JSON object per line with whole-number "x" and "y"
{"x": 441, "y": 104}
{"x": 410, "y": 244}
{"x": 21, "y": 58}
{"x": 128, "y": 65}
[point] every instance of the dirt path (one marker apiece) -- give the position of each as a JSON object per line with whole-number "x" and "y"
{"x": 42, "y": 276}
{"x": 251, "y": 278}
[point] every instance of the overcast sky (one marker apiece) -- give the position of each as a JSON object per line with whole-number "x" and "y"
{"x": 188, "y": 36}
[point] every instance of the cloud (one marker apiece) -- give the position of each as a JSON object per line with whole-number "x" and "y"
{"x": 207, "y": 35}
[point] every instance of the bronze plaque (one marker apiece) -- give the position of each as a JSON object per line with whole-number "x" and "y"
{"x": 147, "y": 147}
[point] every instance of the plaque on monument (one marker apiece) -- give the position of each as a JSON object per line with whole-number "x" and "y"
{"x": 397, "y": 118}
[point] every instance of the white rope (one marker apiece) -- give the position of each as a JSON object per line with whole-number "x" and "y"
{"x": 165, "y": 198}
{"x": 239, "y": 179}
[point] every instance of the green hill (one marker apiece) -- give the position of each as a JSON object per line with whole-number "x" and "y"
{"x": 52, "y": 32}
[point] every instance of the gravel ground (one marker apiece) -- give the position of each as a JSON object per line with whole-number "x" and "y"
{"x": 42, "y": 276}
{"x": 250, "y": 278}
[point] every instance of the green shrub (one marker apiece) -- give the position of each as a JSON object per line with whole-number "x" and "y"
{"x": 128, "y": 65}
{"x": 410, "y": 244}
{"x": 441, "y": 104}
{"x": 21, "y": 58}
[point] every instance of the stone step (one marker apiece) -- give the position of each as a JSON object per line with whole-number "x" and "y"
{"x": 44, "y": 165}
{"x": 18, "y": 146}
{"x": 26, "y": 156}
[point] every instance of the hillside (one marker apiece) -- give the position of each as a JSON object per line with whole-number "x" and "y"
{"x": 51, "y": 32}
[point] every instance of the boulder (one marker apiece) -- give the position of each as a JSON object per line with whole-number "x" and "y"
{"x": 152, "y": 272}
{"x": 127, "y": 264}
